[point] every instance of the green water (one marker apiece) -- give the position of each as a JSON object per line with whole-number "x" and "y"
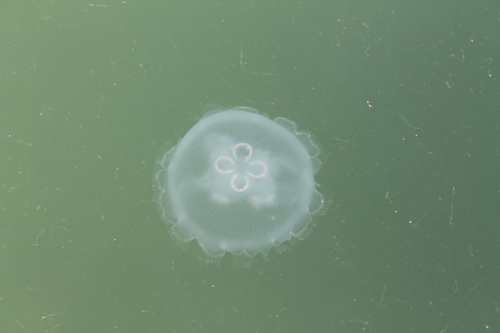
{"x": 403, "y": 98}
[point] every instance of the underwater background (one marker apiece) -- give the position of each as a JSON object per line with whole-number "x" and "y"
{"x": 403, "y": 97}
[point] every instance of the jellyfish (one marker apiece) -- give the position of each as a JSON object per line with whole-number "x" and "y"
{"x": 239, "y": 183}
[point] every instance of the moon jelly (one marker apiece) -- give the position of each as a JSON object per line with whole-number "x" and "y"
{"x": 239, "y": 183}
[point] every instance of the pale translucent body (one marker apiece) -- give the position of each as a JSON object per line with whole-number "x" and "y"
{"x": 239, "y": 182}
